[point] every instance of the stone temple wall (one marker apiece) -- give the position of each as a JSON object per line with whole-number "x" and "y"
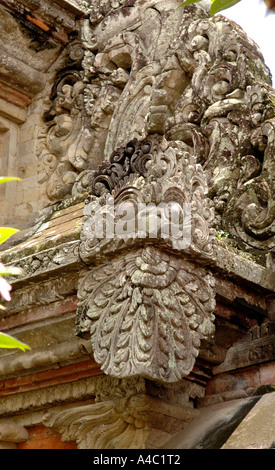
{"x": 137, "y": 341}
{"x": 33, "y": 40}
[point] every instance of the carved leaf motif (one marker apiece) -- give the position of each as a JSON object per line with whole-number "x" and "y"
{"x": 99, "y": 426}
{"x": 148, "y": 312}
{"x": 121, "y": 423}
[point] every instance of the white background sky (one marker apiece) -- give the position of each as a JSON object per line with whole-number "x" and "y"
{"x": 252, "y": 16}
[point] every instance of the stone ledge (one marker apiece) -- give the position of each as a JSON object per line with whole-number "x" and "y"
{"x": 238, "y": 266}
{"x": 248, "y": 353}
{"x": 213, "y": 426}
{"x": 21, "y": 75}
{"x": 12, "y": 112}
{"x": 62, "y": 353}
{"x": 255, "y": 430}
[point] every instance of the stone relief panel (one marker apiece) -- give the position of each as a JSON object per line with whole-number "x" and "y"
{"x": 142, "y": 68}
{"x": 113, "y": 74}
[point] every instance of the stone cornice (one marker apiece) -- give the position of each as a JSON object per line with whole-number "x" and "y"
{"x": 20, "y": 74}
{"x": 61, "y": 12}
{"x": 34, "y": 35}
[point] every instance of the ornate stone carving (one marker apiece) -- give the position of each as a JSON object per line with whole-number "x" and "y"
{"x": 48, "y": 260}
{"x": 147, "y": 312}
{"x": 230, "y": 100}
{"x": 42, "y": 293}
{"x": 152, "y": 171}
{"x": 126, "y": 423}
{"x": 148, "y": 67}
{"x": 148, "y": 309}
{"x": 192, "y": 97}
{"x": 96, "y": 388}
{"x": 250, "y": 213}
{"x": 104, "y": 425}
{"x": 100, "y": 9}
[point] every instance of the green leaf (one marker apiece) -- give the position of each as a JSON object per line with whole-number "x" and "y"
{"x": 11, "y": 271}
{"x": 188, "y": 2}
{"x": 220, "y": 5}
{"x": 5, "y": 179}
{"x": 9, "y": 342}
{"x": 6, "y": 232}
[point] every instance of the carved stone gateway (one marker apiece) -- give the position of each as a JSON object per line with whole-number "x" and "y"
{"x": 147, "y": 291}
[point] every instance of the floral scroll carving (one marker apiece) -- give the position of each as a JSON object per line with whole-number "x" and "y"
{"x": 147, "y": 308}
{"x": 147, "y": 312}
{"x": 103, "y": 425}
{"x": 159, "y": 105}
{"x": 133, "y": 422}
{"x": 250, "y": 213}
{"x": 142, "y": 68}
{"x": 231, "y": 103}
{"x": 150, "y": 171}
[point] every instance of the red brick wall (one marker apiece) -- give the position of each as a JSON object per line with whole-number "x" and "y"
{"x": 41, "y": 437}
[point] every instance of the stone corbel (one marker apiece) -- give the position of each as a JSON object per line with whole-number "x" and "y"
{"x": 136, "y": 422}
{"x": 146, "y": 299}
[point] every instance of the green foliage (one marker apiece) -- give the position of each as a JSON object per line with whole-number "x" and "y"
{"x": 7, "y": 341}
{"x": 10, "y": 270}
{"x": 6, "y": 232}
{"x": 222, "y": 235}
{"x": 217, "y": 5}
{"x": 5, "y": 179}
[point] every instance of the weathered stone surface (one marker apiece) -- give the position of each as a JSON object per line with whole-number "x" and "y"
{"x": 146, "y": 309}
{"x": 52, "y": 245}
{"x": 131, "y": 423}
{"x": 257, "y": 430}
{"x": 148, "y": 103}
{"x": 37, "y": 359}
{"x": 190, "y": 78}
{"x": 15, "y": 71}
{"x": 12, "y": 433}
{"x": 154, "y": 324}
{"x": 213, "y": 426}
{"x": 249, "y": 379}
{"x": 29, "y": 297}
{"x": 13, "y": 112}
{"x": 249, "y": 353}
{"x": 41, "y": 398}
